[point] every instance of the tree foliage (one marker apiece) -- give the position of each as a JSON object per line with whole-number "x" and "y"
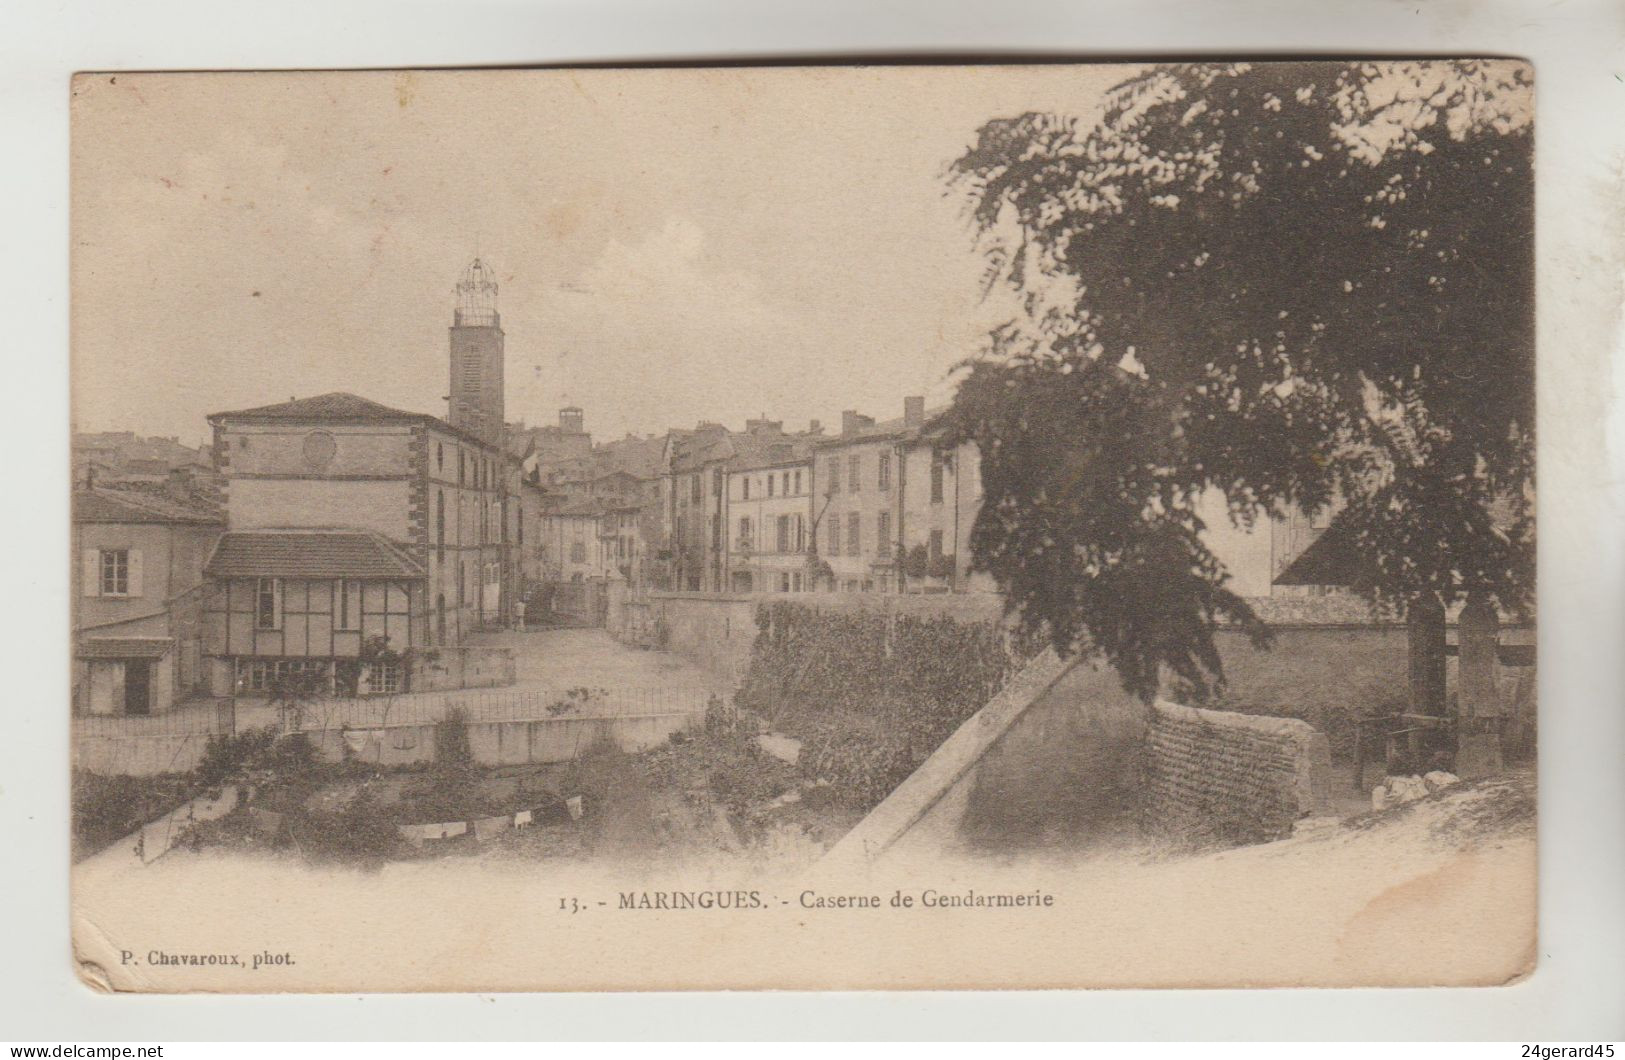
{"x": 1286, "y": 284}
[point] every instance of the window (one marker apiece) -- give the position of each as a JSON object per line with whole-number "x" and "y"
{"x": 694, "y": 489}
{"x": 784, "y": 533}
{"x": 853, "y": 470}
{"x": 835, "y": 535}
{"x": 114, "y": 577}
{"x": 462, "y": 582}
{"x": 795, "y": 582}
{"x": 785, "y": 482}
{"x": 883, "y": 535}
{"x": 798, "y": 481}
{"x": 347, "y": 615}
{"x": 1321, "y": 519}
{"x": 440, "y": 526}
{"x": 936, "y": 544}
{"x": 800, "y": 533}
{"x": 462, "y": 467}
{"x": 744, "y": 533}
{"x": 854, "y": 534}
{"x": 263, "y": 675}
{"x": 835, "y": 474}
{"x": 386, "y": 677}
{"x": 936, "y": 477}
{"x": 745, "y": 486}
{"x": 268, "y": 604}
{"x": 578, "y": 552}
{"x": 883, "y": 478}
{"x": 440, "y": 456}
{"x": 716, "y": 482}
{"x": 784, "y": 583}
{"x": 770, "y": 485}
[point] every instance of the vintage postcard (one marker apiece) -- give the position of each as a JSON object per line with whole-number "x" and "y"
{"x": 804, "y": 527}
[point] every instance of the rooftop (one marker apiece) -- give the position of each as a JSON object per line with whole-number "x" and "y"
{"x": 131, "y": 503}
{"x": 322, "y": 553}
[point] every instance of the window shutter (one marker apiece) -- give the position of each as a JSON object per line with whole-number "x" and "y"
{"x": 93, "y": 572}
{"x": 135, "y": 571}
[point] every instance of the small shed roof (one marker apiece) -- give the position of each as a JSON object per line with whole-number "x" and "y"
{"x": 338, "y": 553}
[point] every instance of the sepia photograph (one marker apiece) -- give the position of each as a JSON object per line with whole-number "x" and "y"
{"x": 812, "y": 527}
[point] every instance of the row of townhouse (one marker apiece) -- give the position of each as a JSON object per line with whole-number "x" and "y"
{"x": 882, "y": 507}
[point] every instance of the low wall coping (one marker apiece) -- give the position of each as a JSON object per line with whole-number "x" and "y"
{"x": 1263, "y": 724}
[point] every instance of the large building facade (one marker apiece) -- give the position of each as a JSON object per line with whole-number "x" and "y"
{"x": 357, "y": 534}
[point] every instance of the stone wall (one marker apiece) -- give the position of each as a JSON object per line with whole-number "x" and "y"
{"x": 1051, "y": 764}
{"x": 1216, "y": 777}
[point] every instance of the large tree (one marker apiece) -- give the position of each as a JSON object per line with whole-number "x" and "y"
{"x": 1290, "y": 284}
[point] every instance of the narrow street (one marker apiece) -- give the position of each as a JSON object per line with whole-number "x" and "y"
{"x": 571, "y": 658}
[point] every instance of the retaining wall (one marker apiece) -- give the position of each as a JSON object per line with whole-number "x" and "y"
{"x": 1213, "y": 776}
{"x": 1052, "y": 760}
{"x": 498, "y": 743}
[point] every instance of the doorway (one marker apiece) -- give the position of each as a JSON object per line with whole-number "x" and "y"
{"x": 137, "y": 686}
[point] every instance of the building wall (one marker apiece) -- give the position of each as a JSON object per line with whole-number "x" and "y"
{"x": 565, "y": 562}
{"x": 167, "y": 602}
{"x": 381, "y": 506}
{"x": 309, "y": 626}
{"x": 870, "y": 565}
{"x": 951, "y": 518}
{"x": 755, "y": 560}
{"x": 171, "y": 562}
{"x": 467, "y": 500}
{"x": 99, "y": 685}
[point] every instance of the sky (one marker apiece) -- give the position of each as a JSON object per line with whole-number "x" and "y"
{"x": 671, "y": 245}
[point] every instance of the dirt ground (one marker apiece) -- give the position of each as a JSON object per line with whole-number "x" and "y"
{"x": 571, "y": 658}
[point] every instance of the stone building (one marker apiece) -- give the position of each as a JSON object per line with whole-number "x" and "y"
{"x": 769, "y": 510}
{"x": 137, "y": 587}
{"x": 358, "y": 533}
{"x": 855, "y": 509}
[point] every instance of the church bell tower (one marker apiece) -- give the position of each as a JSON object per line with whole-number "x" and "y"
{"x": 476, "y": 356}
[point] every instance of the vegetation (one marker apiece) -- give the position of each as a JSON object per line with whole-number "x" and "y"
{"x": 869, "y": 695}
{"x": 1274, "y": 283}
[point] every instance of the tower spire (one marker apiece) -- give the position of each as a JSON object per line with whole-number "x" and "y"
{"x": 477, "y": 404}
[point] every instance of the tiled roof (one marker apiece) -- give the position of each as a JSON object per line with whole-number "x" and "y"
{"x": 337, "y": 405}
{"x": 105, "y": 504}
{"x": 340, "y": 407}
{"x": 337, "y": 553}
{"x": 123, "y": 647}
{"x": 886, "y": 429}
{"x": 770, "y": 450}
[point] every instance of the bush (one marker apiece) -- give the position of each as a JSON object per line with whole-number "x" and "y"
{"x": 108, "y": 808}
{"x": 870, "y": 695}
{"x": 451, "y": 748}
{"x": 363, "y": 831}
{"x": 231, "y": 755}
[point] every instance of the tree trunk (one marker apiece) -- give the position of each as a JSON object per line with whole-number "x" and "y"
{"x": 1424, "y": 624}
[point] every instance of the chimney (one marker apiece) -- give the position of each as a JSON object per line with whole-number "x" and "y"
{"x": 914, "y": 411}
{"x": 815, "y": 427}
{"x": 851, "y": 421}
{"x": 570, "y": 420}
{"x": 178, "y": 484}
